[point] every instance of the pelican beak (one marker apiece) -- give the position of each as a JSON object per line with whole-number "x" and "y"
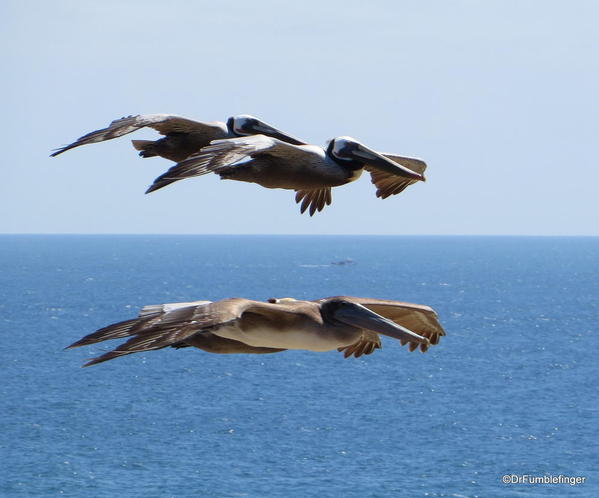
{"x": 364, "y": 154}
{"x": 253, "y": 126}
{"x": 357, "y": 315}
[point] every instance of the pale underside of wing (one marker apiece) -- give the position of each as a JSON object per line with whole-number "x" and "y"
{"x": 418, "y": 318}
{"x": 315, "y": 199}
{"x": 163, "y": 123}
{"x": 388, "y": 184}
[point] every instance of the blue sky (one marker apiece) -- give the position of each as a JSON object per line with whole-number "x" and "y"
{"x": 500, "y": 98}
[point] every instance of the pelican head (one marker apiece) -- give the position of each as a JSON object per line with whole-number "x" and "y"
{"x": 246, "y": 125}
{"x": 281, "y": 300}
{"x": 347, "y": 149}
{"x": 349, "y": 313}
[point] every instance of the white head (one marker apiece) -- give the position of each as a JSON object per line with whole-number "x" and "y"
{"x": 344, "y": 147}
{"x": 349, "y": 150}
{"x": 245, "y": 125}
{"x": 281, "y": 300}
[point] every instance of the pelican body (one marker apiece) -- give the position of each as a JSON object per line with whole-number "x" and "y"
{"x": 349, "y": 324}
{"x": 308, "y": 169}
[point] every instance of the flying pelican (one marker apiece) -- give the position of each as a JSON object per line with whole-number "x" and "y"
{"x": 349, "y": 324}
{"x": 308, "y": 169}
{"x": 182, "y": 136}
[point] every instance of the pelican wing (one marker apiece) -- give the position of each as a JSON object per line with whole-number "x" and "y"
{"x": 163, "y": 123}
{"x": 365, "y": 345}
{"x": 159, "y": 326}
{"x": 388, "y": 184}
{"x": 315, "y": 199}
{"x": 223, "y": 153}
{"x": 418, "y": 318}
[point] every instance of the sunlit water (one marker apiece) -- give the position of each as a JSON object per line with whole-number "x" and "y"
{"x": 512, "y": 389}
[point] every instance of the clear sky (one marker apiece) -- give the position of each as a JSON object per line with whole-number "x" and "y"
{"x": 501, "y": 98}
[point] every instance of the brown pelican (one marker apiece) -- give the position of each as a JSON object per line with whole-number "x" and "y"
{"x": 349, "y": 324}
{"x": 182, "y": 136}
{"x": 308, "y": 169}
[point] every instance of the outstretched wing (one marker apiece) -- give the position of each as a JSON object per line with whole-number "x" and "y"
{"x": 418, "y": 318}
{"x": 221, "y": 154}
{"x": 315, "y": 199}
{"x": 157, "y": 329}
{"x": 163, "y": 123}
{"x": 388, "y": 184}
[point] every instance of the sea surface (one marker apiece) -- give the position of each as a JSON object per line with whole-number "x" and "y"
{"x": 511, "y": 390}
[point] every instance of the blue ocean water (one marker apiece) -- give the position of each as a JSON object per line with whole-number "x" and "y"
{"x": 510, "y": 390}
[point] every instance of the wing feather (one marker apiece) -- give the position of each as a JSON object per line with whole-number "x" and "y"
{"x": 163, "y": 123}
{"x": 367, "y": 344}
{"x": 418, "y": 318}
{"x": 224, "y": 153}
{"x": 315, "y": 199}
{"x": 156, "y": 330}
{"x": 388, "y": 184}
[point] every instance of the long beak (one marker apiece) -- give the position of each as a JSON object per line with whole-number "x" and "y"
{"x": 359, "y": 316}
{"x": 379, "y": 161}
{"x": 261, "y": 128}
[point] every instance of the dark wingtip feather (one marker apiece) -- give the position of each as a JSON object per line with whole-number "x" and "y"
{"x": 158, "y": 184}
{"x": 100, "y": 359}
{"x": 95, "y": 361}
{"x": 77, "y": 344}
{"x": 60, "y": 150}
{"x": 152, "y": 188}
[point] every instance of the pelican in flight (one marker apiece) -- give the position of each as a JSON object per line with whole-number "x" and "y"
{"x": 182, "y": 136}
{"x": 308, "y": 169}
{"x": 349, "y": 324}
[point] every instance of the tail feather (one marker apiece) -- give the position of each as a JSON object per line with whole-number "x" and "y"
{"x": 145, "y": 147}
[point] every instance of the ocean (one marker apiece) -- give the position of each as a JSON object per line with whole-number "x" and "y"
{"x": 510, "y": 391}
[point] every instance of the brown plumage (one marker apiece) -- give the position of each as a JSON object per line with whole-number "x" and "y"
{"x": 349, "y": 324}
{"x": 308, "y": 169}
{"x": 182, "y": 136}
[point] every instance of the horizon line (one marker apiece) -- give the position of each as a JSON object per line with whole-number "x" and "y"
{"x": 148, "y": 234}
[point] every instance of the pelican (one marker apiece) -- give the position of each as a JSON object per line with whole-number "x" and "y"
{"x": 310, "y": 170}
{"x": 349, "y": 324}
{"x": 182, "y": 136}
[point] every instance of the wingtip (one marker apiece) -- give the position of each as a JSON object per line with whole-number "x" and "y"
{"x": 159, "y": 183}
{"x": 95, "y": 361}
{"x": 155, "y": 186}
